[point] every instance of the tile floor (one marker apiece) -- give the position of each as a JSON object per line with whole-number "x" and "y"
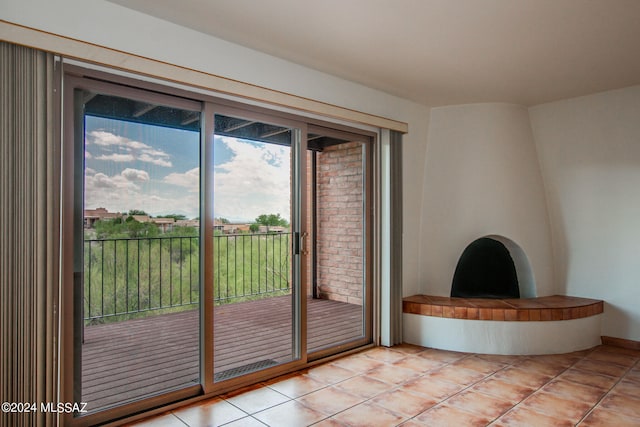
{"x": 414, "y": 386}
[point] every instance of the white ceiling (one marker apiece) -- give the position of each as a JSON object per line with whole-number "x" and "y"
{"x": 436, "y": 52}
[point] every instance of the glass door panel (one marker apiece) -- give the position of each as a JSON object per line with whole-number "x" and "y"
{"x": 338, "y": 188}
{"x": 255, "y": 274}
{"x": 138, "y": 334}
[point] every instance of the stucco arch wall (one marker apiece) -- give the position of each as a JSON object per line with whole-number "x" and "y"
{"x": 482, "y": 177}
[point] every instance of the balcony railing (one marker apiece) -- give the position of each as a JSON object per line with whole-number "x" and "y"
{"x": 124, "y": 276}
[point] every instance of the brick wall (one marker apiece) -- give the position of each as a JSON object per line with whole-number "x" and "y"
{"x": 339, "y": 239}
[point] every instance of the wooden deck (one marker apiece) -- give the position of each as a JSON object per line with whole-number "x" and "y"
{"x": 130, "y": 359}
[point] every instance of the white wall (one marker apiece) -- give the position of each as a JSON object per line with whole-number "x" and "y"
{"x": 111, "y": 25}
{"x": 482, "y": 178}
{"x": 491, "y": 337}
{"x": 589, "y": 150}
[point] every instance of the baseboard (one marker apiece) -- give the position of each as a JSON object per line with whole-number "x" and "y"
{"x": 621, "y": 342}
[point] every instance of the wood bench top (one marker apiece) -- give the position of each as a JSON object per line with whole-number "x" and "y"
{"x": 554, "y": 307}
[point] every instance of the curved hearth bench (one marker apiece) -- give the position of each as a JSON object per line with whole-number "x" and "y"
{"x": 544, "y": 325}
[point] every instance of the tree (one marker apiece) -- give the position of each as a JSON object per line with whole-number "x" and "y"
{"x": 142, "y": 229}
{"x": 174, "y": 216}
{"x": 116, "y": 228}
{"x": 270, "y": 220}
{"x": 137, "y": 212}
{"x": 107, "y": 228}
{"x": 222, "y": 220}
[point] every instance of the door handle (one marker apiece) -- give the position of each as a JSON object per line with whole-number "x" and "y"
{"x": 303, "y": 244}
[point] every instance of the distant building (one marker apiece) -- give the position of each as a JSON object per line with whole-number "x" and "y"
{"x": 141, "y": 218}
{"x": 236, "y": 228}
{"x": 271, "y": 229}
{"x": 165, "y": 224}
{"x": 91, "y": 216}
{"x": 231, "y": 228}
{"x": 188, "y": 223}
{"x": 98, "y": 214}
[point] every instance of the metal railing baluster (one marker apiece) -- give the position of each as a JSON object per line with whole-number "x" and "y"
{"x": 149, "y": 278}
{"x": 115, "y": 278}
{"x": 227, "y": 270}
{"x": 181, "y": 270}
{"x": 89, "y": 281}
{"x": 126, "y": 272}
{"x": 138, "y": 272}
{"x": 159, "y": 271}
{"x": 254, "y": 282}
{"x": 170, "y": 272}
{"x": 102, "y": 283}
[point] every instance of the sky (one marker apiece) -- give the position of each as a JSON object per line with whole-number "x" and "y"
{"x": 156, "y": 169}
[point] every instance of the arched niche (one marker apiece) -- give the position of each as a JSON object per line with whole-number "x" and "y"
{"x": 493, "y": 267}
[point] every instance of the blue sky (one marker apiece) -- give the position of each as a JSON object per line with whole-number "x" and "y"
{"x": 156, "y": 169}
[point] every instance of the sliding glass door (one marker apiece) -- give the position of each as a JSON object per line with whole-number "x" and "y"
{"x": 256, "y": 244}
{"x": 211, "y": 246}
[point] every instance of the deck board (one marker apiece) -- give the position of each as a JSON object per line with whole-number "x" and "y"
{"x": 127, "y": 360}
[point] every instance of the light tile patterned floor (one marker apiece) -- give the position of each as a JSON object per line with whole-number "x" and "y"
{"x": 414, "y": 386}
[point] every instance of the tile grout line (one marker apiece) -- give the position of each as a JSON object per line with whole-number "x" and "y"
{"x": 605, "y": 394}
{"x": 354, "y": 376}
{"x": 248, "y": 416}
{"x": 180, "y": 419}
{"x": 398, "y": 386}
{"x": 469, "y": 355}
{"x": 537, "y": 390}
{"x": 621, "y": 377}
{"x": 295, "y": 399}
{"x": 485, "y": 394}
{"x": 366, "y": 399}
{"x": 265, "y": 385}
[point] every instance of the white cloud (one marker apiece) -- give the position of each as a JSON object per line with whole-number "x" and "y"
{"x": 255, "y": 181}
{"x": 190, "y": 179}
{"x": 135, "y": 175}
{"x": 117, "y": 157}
{"x": 98, "y": 180}
{"x": 151, "y": 152}
{"x": 135, "y": 150}
{"x": 156, "y": 161}
{"x": 106, "y": 139}
{"x": 133, "y": 189}
{"x": 118, "y": 182}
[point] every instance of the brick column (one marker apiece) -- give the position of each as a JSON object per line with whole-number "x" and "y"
{"x": 340, "y": 223}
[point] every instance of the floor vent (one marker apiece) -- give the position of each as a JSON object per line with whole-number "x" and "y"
{"x": 245, "y": 369}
